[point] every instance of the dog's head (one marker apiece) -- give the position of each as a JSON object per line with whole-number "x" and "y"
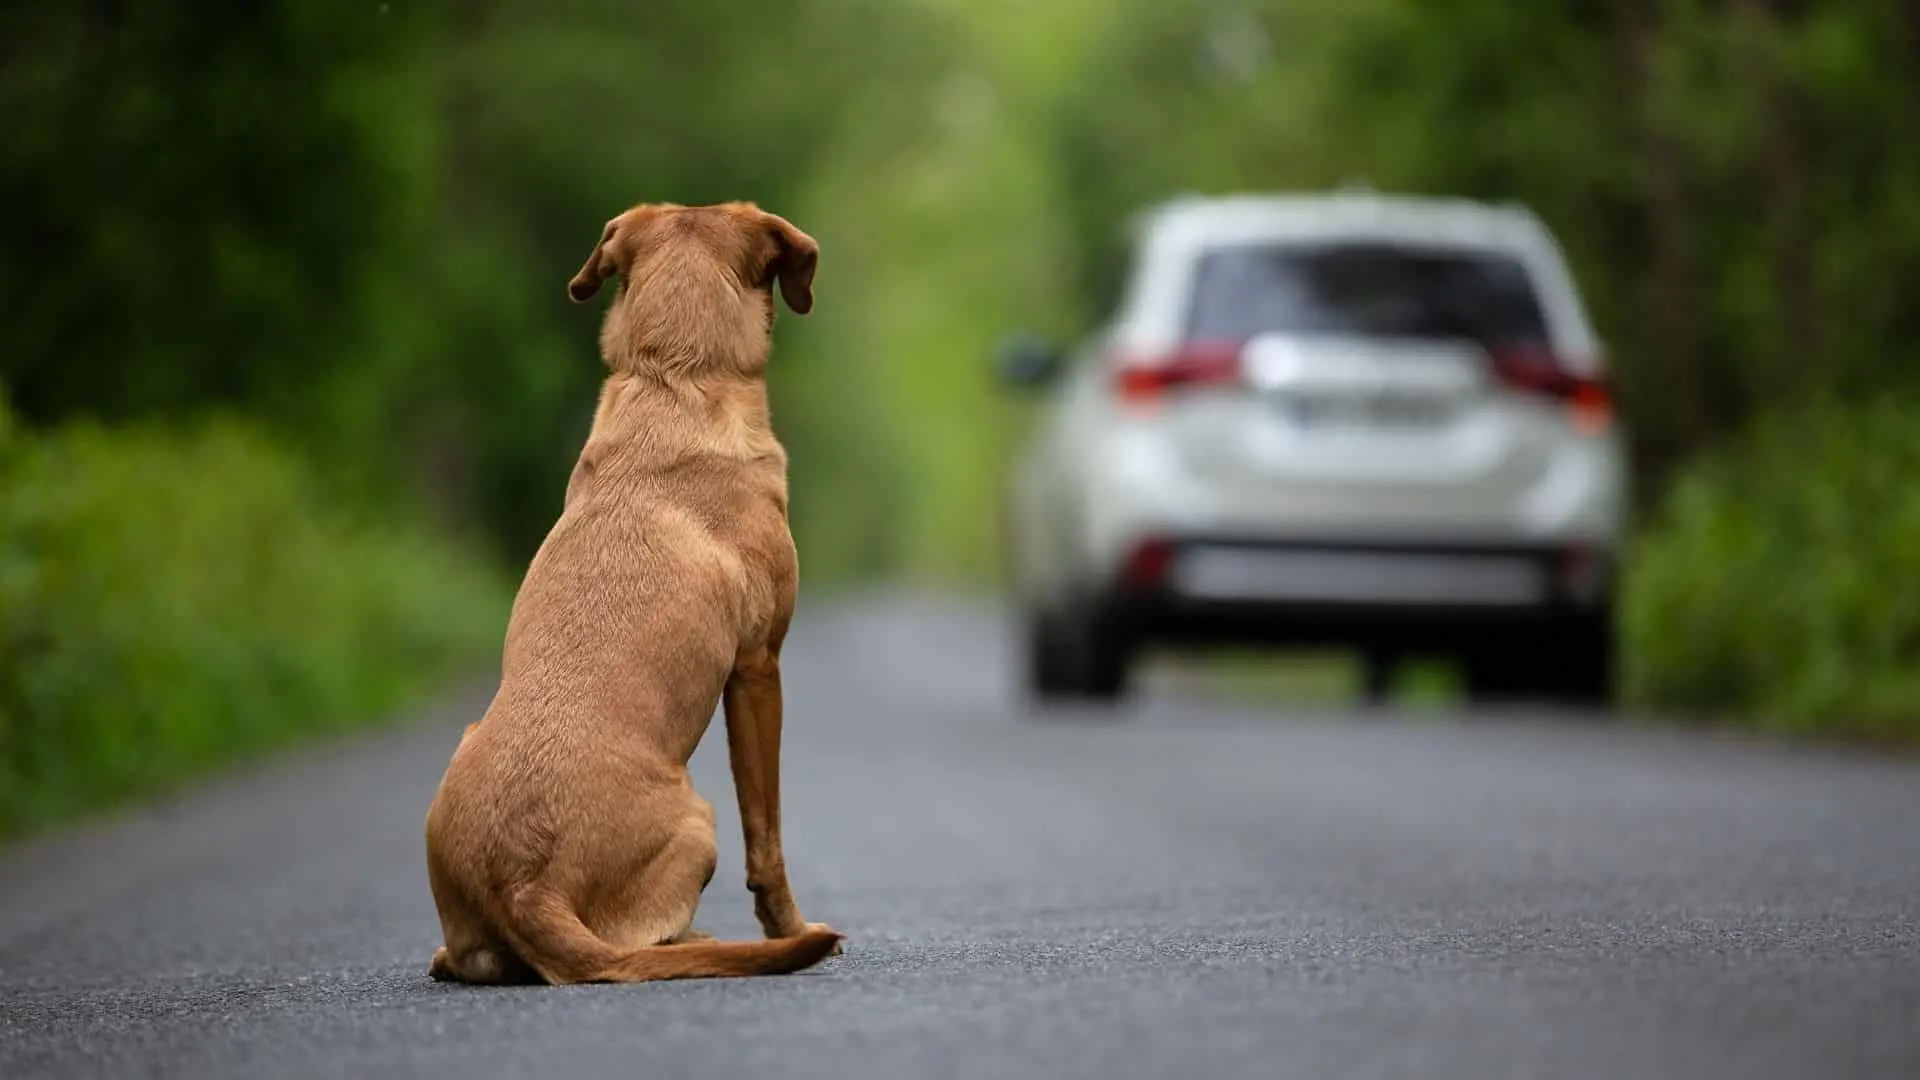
{"x": 696, "y": 280}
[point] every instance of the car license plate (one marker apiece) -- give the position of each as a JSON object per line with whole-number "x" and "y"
{"x": 1358, "y": 577}
{"x": 1382, "y": 411}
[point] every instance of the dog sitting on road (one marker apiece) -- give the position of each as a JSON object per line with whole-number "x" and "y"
{"x": 566, "y": 843}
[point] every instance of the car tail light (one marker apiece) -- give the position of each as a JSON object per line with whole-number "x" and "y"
{"x": 1589, "y": 401}
{"x": 1150, "y": 378}
{"x": 1583, "y": 573}
{"x": 1146, "y": 566}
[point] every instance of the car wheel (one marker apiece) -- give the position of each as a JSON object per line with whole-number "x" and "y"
{"x": 1075, "y": 655}
{"x": 1582, "y": 661}
{"x": 1496, "y": 672}
{"x": 1046, "y": 664}
{"x": 1571, "y": 662}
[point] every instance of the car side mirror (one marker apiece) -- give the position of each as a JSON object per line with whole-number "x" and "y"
{"x": 1025, "y": 359}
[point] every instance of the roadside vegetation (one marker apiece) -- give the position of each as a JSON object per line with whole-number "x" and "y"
{"x": 174, "y": 599}
{"x": 285, "y": 279}
{"x": 1781, "y": 582}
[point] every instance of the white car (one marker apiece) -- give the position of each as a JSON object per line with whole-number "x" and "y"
{"x": 1327, "y": 419}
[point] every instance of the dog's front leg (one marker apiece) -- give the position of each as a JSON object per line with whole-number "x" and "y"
{"x": 753, "y": 743}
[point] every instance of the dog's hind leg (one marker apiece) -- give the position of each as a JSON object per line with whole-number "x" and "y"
{"x": 656, "y": 906}
{"x": 482, "y": 965}
{"x": 474, "y": 952}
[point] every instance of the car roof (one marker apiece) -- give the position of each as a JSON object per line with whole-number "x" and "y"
{"x": 1205, "y": 221}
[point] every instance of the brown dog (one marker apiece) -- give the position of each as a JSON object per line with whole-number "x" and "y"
{"x": 566, "y": 843}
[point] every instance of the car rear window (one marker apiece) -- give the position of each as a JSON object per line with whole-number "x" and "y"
{"x": 1365, "y": 290}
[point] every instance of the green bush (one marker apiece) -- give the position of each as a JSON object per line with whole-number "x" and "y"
{"x": 1782, "y": 579}
{"x": 173, "y": 601}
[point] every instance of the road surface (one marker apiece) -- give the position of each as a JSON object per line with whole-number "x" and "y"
{"x": 1195, "y": 888}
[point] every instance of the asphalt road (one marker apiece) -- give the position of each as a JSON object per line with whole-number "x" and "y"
{"x": 1194, "y": 888}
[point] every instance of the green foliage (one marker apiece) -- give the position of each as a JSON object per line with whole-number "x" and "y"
{"x": 1781, "y": 579}
{"x": 207, "y": 210}
{"x": 171, "y": 602}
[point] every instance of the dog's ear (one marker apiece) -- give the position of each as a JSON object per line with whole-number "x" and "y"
{"x": 795, "y": 256}
{"x": 598, "y": 267}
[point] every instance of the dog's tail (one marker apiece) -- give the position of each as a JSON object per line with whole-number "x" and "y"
{"x": 550, "y": 937}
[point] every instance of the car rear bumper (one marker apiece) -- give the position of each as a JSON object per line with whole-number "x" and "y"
{"x": 1212, "y": 589}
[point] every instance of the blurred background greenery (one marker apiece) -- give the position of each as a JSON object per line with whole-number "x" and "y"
{"x": 292, "y": 388}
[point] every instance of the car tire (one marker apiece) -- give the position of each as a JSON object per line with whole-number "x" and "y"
{"x": 1496, "y": 672}
{"x": 1582, "y": 661}
{"x": 1044, "y": 659}
{"x": 1569, "y": 663}
{"x": 1080, "y": 654}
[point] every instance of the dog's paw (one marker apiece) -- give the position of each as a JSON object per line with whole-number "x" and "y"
{"x": 823, "y": 928}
